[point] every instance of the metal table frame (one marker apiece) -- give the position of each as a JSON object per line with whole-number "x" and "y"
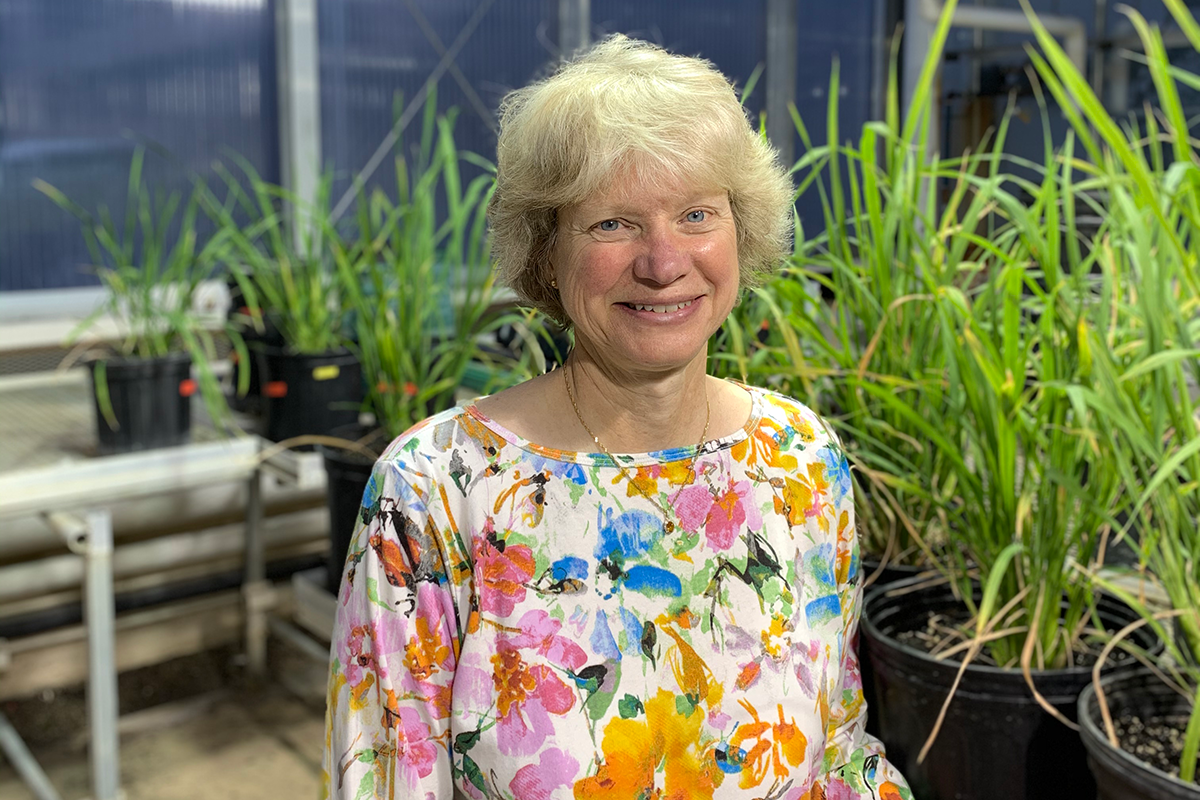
{"x": 74, "y": 498}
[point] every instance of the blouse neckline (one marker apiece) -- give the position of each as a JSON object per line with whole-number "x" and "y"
{"x": 629, "y": 459}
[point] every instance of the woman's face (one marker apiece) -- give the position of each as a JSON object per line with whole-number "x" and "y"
{"x": 647, "y": 270}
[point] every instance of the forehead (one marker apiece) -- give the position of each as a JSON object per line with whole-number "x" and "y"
{"x": 633, "y": 186}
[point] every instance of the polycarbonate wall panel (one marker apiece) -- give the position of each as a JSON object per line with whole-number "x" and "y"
{"x": 82, "y": 82}
{"x": 731, "y": 35}
{"x": 374, "y": 52}
{"x": 734, "y": 37}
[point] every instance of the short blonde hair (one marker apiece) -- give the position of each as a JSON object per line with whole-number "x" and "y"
{"x": 626, "y": 102}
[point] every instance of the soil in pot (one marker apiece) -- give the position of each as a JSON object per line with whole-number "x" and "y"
{"x": 309, "y": 394}
{"x": 151, "y": 403}
{"x": 996, "y": 741}
{"x": 347, "y": 472}
{"x": 1149, "y": 718}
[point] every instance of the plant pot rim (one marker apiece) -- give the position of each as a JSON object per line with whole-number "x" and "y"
{"x": 1091, "y": 731}
{"x": 346, "y": 456}
{"x": 288, "y": 350}
{"x": 983, "y": 670}
{"x": 117, "y": 358}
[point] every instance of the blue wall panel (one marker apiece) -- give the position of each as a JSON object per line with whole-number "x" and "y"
{"x": 374, "y": 51}
{"x": 734, "y": 37}
{"x": 83, "y": 81}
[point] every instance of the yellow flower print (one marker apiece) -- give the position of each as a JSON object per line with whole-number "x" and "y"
{"x": 773, "y": 638}
{"x": 694, "y": 677}
{"x": 845, "y": 547}
{"x": 662, "y": 757}
{"x": 805, "y": 497}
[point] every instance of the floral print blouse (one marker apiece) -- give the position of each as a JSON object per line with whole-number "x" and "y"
{"x": 517, "y": 622}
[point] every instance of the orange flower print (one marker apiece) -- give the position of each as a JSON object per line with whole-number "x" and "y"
{"x": 425, "y": 651}
{"x": 663, "y": 756}
{"x": 771, "y": 744}
{"x": 512, "y": 680}
{"x": 762, "y": 447}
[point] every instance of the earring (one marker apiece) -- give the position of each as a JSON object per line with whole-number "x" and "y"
{"x": 553, "y": 283}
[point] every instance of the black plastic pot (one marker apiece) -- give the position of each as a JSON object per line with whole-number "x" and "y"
{"x": 1120, "y": 775}
{"x": 996, "y": 741}
{"x": 892, "y": 572}
{"x": 347, "y": 473}
{"x": 308, "y": 394}
{"x": 151, "y": 402}
{"x": 256, "y": 341}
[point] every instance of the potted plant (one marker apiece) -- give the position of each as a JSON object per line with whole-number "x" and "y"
{"x": 990, "y": 449}
{"x": 309, "y": 380}
{"x": 419, "y": 286}
{"x": 150, "y": 265}
{"x": 1142, "y": 730}
{"x": 875, "y": 264}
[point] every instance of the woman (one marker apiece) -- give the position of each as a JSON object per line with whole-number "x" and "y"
{"x": 624, "y": 578}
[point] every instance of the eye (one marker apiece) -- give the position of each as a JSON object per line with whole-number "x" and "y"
{"x": 697, "y": 216}
{"x": 609, "y": 225}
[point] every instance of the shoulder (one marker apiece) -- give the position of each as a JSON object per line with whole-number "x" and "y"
{"x": 434, "y": 447}
{"x": 796, "y": 424}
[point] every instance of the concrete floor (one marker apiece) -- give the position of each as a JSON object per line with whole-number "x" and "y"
{"x": 217, "y": 735}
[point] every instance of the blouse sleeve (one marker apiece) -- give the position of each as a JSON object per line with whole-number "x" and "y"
{"x": 403, "y": 601}
{"x": 853, "y": 757}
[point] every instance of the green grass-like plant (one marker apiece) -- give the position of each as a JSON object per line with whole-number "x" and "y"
{"x": 150, "y": 265}
{"x": 421, "y": 288}
{"x": 1148, "y": 376}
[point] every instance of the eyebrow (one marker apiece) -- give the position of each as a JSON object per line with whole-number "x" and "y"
{"x": 622, "y": 208}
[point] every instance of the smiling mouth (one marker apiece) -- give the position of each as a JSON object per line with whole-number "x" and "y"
{"x": 664, "y": 309}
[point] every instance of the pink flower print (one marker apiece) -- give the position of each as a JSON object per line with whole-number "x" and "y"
{"x": 838, "y": 789}
{"x": 415, "y": 750}
{"x": 366, "y": 650}
{"x": 539, "y": 631}
{"x": 502, "y": 575}
{"x": 556, "y": 769}
{"x": 357, "y": 656}
{"x": 525, "y": 698}
{"x": 692, "y": 504}
{"x": 722, "y": 516}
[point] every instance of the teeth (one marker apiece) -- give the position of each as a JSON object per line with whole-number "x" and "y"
{"x": 661, "y": 309}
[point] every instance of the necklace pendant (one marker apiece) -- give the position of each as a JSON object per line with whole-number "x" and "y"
{"x": 669, "y": 526}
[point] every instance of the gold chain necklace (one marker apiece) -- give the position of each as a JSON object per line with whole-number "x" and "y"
{"x": 668, "y": 523}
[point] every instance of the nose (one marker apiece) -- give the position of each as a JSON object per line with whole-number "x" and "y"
{"x": 664, "y": 256}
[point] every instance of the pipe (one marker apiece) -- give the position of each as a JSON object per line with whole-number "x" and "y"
{"x": 25, "y": 764}
{"x": 58, "y": 573}
{"x": 924, "y": 14}
{"x": 1071, "y": 29}
{"x": 100, "y": 614}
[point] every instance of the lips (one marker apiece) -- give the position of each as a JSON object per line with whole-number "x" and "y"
{"x": 665, "y": 308}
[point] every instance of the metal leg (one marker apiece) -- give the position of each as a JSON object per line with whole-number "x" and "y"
{"x": 24, "y": 762}
{"x": 255, "y": 589}
{"x": 99, "y": 613}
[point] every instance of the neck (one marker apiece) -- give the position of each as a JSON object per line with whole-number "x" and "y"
{"x": 639, "y": 412}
